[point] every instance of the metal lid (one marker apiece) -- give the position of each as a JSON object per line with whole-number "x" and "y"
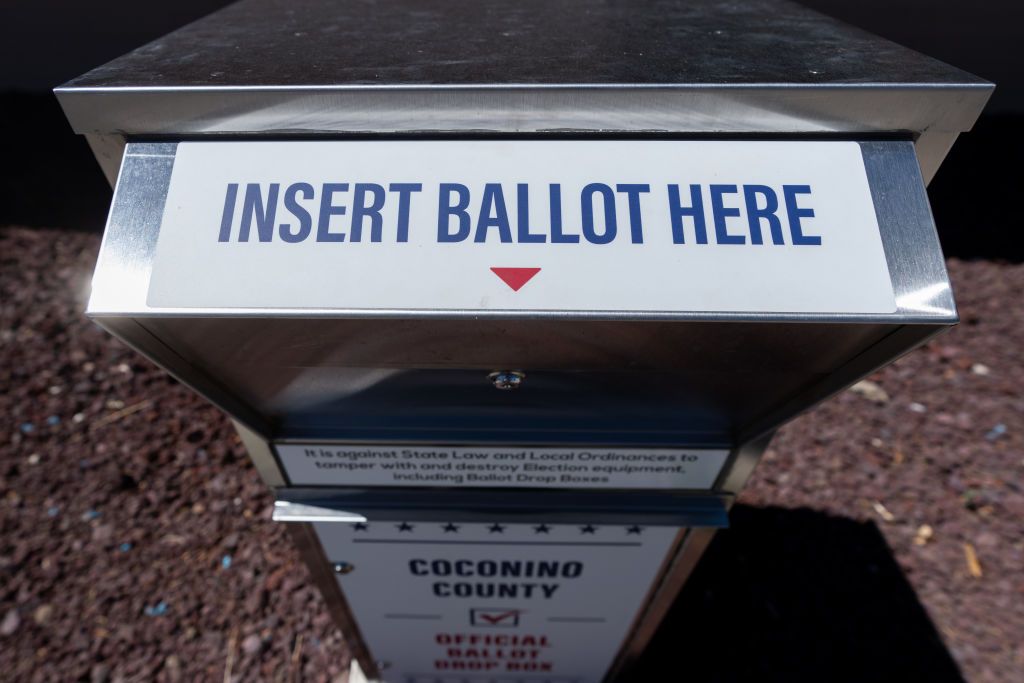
{"x": 410, "y": 66}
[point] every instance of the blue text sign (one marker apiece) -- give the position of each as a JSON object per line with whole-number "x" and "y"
{"x": 590, "y": 225}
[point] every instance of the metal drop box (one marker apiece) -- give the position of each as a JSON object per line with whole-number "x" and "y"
{"x": 250, "y": 149}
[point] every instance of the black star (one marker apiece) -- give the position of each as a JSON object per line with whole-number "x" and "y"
{"x": 360, "y": 526}
{"x": 404, "y": 526}
{"x": 633, "y": 530}
{"x": 449, "y": 528}
{"x": 588, "y": 529}
{"x": 496, "y": 529}
{"x": 541, "y": 529}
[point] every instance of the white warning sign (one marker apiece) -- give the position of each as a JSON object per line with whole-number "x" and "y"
{"x": 493, "y": 603}
{"x": 488, "y": 466}
{"x": 522, "y": 225}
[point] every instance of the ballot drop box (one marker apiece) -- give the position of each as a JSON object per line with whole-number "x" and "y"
{"x": 507, "y": 299}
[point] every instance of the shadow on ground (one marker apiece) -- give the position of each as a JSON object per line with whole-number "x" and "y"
{"x": 797, "y": 595}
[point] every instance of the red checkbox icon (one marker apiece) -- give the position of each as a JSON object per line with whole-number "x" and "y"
{"x": 495, "y": 617}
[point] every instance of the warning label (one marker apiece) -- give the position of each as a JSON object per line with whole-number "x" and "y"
{"x": 403, "y": 465}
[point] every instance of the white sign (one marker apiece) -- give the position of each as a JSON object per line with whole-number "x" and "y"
{"x": 522, "y": 225}
{"x": 495, "y": 603}
{"x": 474, "y": 466}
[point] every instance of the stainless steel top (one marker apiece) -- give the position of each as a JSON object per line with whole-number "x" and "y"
{"x": 288, "y": 43}
{"x": 283, "y": 67}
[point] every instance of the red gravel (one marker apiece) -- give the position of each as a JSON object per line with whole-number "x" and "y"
{"x": 116, "y": 521}
{"x": 124, "y": 497}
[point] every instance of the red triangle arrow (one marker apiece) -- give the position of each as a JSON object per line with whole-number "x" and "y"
{"x": 515, "y": 277}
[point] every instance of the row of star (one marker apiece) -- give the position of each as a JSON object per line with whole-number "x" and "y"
{"x": 451, "y": 528}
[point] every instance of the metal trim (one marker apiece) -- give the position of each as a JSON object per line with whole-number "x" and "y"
{"x": 683, "y": 564}
{"x": 263, "y": 456}
{"x": 930, "y": 111}
{"x": 666, "y": 564}
{"x": 513, "y": 506}
{"x": 109, "y": 153}
{"x": 313, "y": 556}
{"x": 907, "y": 227}
{"x": 741, "y": 464}
{"x": 901, "y": 341}
{"x": 136, "y": 336}
{"x": 285, "y": 511}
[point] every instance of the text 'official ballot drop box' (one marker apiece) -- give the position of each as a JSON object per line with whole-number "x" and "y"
{"x": 507, "y": 299}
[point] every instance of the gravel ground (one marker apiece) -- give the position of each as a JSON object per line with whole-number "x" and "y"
{"x": 136, "y": 542}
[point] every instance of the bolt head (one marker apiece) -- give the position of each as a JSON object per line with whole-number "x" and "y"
{"x": 507, "y": 379}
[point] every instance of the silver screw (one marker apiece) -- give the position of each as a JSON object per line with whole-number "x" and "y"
{"x": 507, "y": 379}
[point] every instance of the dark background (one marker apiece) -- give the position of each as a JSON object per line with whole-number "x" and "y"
{"x": 51, "y": 180}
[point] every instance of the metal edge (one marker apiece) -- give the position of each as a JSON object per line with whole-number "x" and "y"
{"x": 917, "y": 270}
{"x": 97, "y": 310}
{"x": 313, "y": 556}
{"x": 741, "y": 464}
{"x": 513, "y": 506}
{"x": 263, "y": 457}
{"x": 107, "y": 147}
{"x": 124, "y": 263}
{"x": 141, "y": 340}
{"x": 978, "y": 83}
{"x": 683, "y": 563}
{"x": 286, "y": 511}
{"x": 898, "y": 343}
{"x": 922, "y": 109}
{"x": 907, "y": 227}
{"x": 109, "y": 151}
{"x": 125, "y": 257}
{"x": 648, "y": 598}
{"x": 932, "y": 147}
{"x": 150, "y": 110}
